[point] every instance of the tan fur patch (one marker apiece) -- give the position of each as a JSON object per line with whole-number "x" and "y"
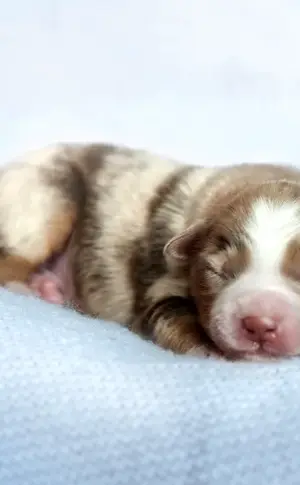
{"x": 59, "y": 231}
{"x": 291, "y": 262}
{"x": 17, "y": 268}
{"x": 14, "y": 268}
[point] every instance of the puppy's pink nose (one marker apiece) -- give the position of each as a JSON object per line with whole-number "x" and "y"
{"x": 260, "y": 329}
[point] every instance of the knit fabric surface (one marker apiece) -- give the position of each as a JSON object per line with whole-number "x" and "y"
{"x": 85, "y": 402}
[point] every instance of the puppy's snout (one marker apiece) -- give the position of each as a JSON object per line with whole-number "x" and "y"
{"x": 268, "y": 319}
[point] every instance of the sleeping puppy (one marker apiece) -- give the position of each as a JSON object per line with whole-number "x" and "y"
{"x": 203, "y": 261}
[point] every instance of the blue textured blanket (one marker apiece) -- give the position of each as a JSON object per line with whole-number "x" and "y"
{"x": 85, "y": 402}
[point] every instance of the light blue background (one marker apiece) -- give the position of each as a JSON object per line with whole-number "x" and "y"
{"x": 210, "y": 81}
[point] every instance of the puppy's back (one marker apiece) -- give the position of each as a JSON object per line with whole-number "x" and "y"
{"x": 136, "y": 202}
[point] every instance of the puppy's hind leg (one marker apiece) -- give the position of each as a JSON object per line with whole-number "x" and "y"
{"x": 40, "y": 199}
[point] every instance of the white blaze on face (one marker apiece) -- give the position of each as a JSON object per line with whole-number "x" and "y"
{"x": 270, "y": 228}
{"x": 261, "y": 290}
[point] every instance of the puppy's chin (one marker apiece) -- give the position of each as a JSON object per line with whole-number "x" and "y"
{"x": 252, "y": 358}
{"x": 260, "y": 357}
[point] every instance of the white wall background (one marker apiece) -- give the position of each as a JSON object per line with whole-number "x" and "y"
{"x": 212, "y": 81}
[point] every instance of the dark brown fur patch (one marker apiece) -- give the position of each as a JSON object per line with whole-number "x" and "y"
{"x": 67, "y": 178}
{"x": 95, "y": 156}
{"x": 88, "y": 232}
{"x": 88, "y": 272}
{"x": 147, "y": 262}
{"x": 173, "y": 324}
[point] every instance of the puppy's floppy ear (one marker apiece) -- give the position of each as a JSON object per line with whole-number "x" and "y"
{"x": 178, "y": 250}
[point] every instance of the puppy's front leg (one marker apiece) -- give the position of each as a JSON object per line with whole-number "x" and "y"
{"x": 173, "y": 325}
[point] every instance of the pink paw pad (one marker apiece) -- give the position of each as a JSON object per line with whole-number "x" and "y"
{"x": 47, "y": 287}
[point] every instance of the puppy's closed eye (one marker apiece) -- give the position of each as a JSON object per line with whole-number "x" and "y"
{"x": 224, "y": 258}
{"x": 222, "y": 243}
